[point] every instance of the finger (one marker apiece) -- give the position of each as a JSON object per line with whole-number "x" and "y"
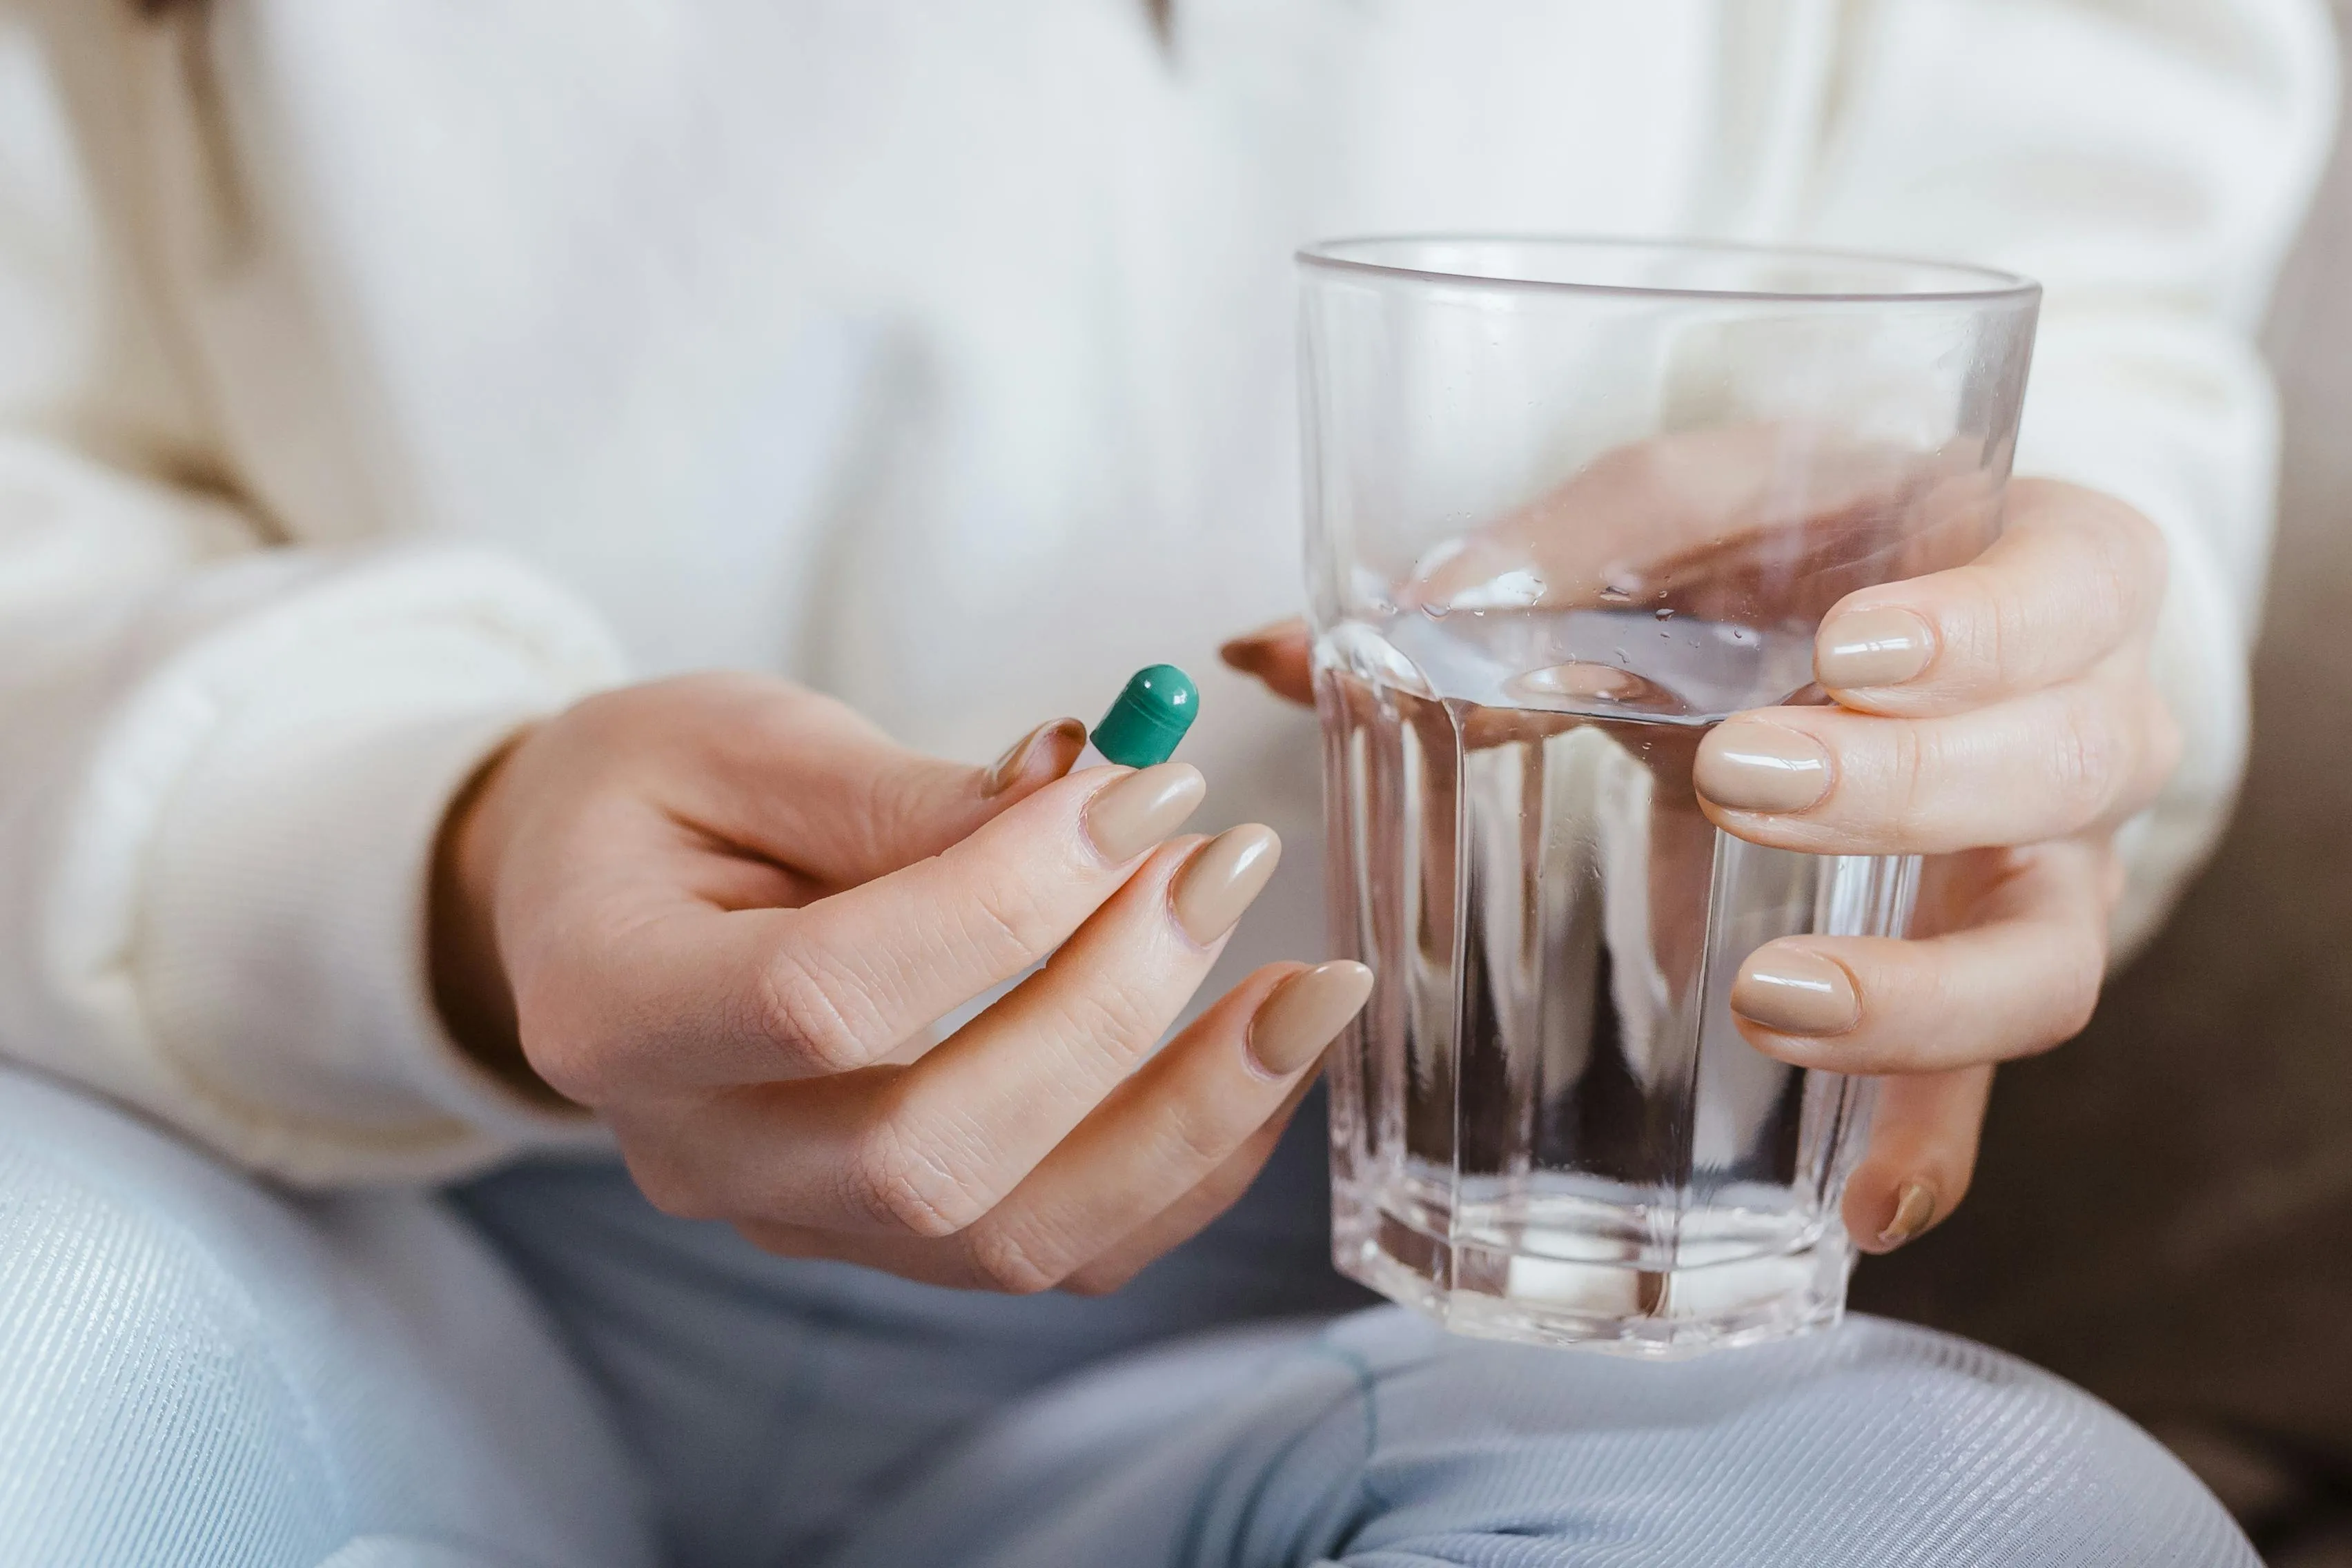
{"x": 1279, "y": 656}
{"x": 1708, "y": 523}
{"x": 2074, "y": 576}
{"x": 807, "y": 782}
{"x": 1192, "y": 1213}
{"x": 1159, "y": 1159}
{"x": 1923, "y": 1150}
{"x": 928, "y": 1149}
{"x": 941, "y": 1263}
{"x": 978, "y": 1113}
{"x": 911, "y": 806}
{"x": 2021, "y": 975}
{"x": 681, "y": 996}
{"x": 2038, "y": 766}
{"x": 1135, "y": 1178}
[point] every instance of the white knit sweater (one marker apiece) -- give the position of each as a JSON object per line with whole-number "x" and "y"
{"x": 378, "y": 375}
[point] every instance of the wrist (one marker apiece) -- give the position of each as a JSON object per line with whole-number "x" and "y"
{"x": 469, "y": 981}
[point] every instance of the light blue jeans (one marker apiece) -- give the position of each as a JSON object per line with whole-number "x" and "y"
{"x": 540, "y": 1370}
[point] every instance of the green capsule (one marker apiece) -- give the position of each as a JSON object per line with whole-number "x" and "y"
{"x": 1150, "y": 718}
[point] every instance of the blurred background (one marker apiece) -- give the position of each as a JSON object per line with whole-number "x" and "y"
{"x": 2163, "y": 1212}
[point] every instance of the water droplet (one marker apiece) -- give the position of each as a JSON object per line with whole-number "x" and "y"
{"x": 1435, "y": 612}
{"x": 1664, "y": 614}
{"x": 1611, "y": 594}
{"x": 1620, "y": 656}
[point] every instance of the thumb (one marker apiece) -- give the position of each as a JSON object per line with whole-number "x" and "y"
{"x": 805, "y": 781}
{"x": 891, "y": 808}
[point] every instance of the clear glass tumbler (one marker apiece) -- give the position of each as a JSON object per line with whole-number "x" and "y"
{"x": 1571, "y": 503}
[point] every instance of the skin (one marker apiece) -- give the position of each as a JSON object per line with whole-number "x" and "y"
{"x": 722, "y": 912}
{"x": 2033, "y": 731}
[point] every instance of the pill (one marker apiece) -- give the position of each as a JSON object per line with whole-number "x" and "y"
{"x": 1149, "y": 717}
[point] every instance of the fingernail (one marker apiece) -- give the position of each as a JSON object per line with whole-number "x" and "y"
{"x": 1306, "y": 1014}
{"x": 1914, "y": 1211}
{"x": 1750, "y": 765}
{"x": 1222, "y": 879}
{"x": 1129, "y": 816}
{"x": 1883, "y": 646}
{"x": 1050, "y": 748}
{"x": 1794, "y": 992}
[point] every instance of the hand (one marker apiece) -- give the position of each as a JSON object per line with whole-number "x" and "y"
{"x": 1725, "y": 523}
{"x": 723, "y": 912}
{"x": 1998, "y": 717}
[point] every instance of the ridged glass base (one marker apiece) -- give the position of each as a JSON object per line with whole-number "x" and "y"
{"x": 1720, "y": 1292}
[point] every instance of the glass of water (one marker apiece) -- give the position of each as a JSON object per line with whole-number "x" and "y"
{"x": 1571, "y": 504}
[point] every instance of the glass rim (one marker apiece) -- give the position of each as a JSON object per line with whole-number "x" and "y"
{"x": 1992, "y": 283}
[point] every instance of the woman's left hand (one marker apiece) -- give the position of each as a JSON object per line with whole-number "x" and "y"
{"x": 1998, "y": 717}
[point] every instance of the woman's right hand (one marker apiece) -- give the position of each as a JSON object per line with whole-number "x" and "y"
{"x": 723, "y": 912}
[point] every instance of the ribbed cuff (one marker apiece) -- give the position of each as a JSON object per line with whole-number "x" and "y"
{"x": 280, "y": 954}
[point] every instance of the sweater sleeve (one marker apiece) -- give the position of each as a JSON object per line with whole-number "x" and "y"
{"x": 223, "y": 757}
{"x": 2149, "y": 161}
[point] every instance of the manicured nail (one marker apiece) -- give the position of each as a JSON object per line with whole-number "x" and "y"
{"x": 1794, "y": 992}
{"x": 1914, "y": 1211}
{"x": 1306, "y": 1014}
{"x": 1222, "y": 879}
{"x": 1750, "y": 765}
{"x": 1882, "y": 647}
{"x": 1129, "y": 815}
{"x": 1049, "y": 749}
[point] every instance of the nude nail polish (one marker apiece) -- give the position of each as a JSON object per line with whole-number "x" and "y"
{"x": 1129, "y": 816}
{"x": 1749, "y": 764}
{"x": 1222, "y": 879}
{"x": 1306, "y": 1014}
{"x": 1050, "y": 748}
{"x": 1914, "y": 1211}
{"x": 1881, "y": 646}
{"x": 1793, "y": 992}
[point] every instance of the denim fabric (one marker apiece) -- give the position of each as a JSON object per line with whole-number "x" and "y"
{"x": 541, "y": 1370}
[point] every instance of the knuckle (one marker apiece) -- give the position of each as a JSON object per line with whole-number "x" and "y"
{"x": 891, "y": 1179}
{"x": 1909, "y": 765}
{"x": 2081, "y": 982}
{"x": 1119, "y": 1011}
{"x": 811, "y": 1014}
{"x": 668, "y": 1186}
{"x": 568, "y": 1063}
{"x": 2084, "y": 762}
{"x": 2142, "y": 559}
{"x": 1983, "y": 625}
{"x": 774, "y": 716}
{"x": 896, "y": 810}
{"x": 1007, "y": 920}
{"x": 1195, "y": 1139}
{"x": 2066, "y": 993}
{"x": 2108, "y": 597}
{"x": 1010, "y": 1264}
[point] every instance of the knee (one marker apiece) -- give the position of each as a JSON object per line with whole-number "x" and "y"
{"x": 1877, "y": 1443}
{"x": 143, "y": 1417}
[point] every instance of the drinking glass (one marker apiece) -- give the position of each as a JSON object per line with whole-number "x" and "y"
{"x": 1570, "y": 504}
